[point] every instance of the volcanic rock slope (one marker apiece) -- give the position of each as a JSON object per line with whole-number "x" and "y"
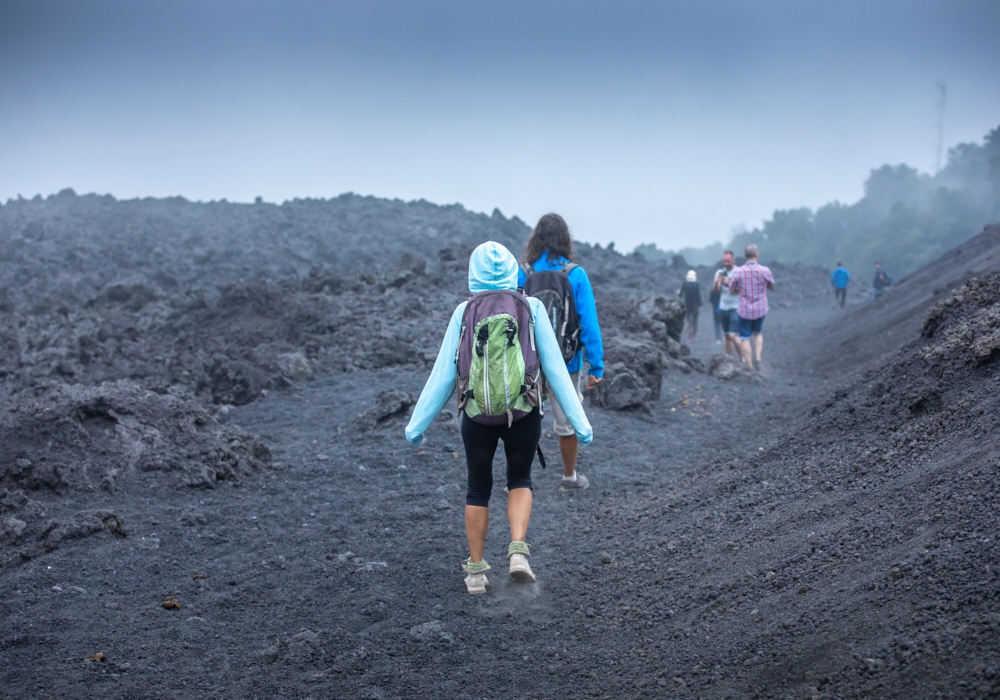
{"x": 871, "y": 332}
{"x": 854, "y": 556}
{"x": 225, "y": 301}
{"x": 812, "y": 533}
{"x": 222, "y": 299}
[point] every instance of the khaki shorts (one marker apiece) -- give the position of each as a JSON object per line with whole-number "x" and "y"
{"x": 562, "y": 426}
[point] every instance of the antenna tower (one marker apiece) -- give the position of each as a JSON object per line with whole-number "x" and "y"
{"x": 942, "y": 94}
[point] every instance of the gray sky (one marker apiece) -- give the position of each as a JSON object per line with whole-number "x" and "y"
{"x": 638, "y": 121}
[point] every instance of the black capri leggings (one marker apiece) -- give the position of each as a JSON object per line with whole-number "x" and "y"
{"x": 520, "y": 441}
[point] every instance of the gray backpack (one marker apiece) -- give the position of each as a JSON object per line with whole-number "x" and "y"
{"x": 554, "y": 290}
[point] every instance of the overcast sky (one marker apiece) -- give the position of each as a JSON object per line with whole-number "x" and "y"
{"x": 662, "y": 122}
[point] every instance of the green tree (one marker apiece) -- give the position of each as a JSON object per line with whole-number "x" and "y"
{"x": 905, "y": 219}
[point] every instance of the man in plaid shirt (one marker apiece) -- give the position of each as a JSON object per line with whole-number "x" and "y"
{"x": 751, "y": 281}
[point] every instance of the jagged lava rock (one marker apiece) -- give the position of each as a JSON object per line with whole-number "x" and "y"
{"x": 80, "y": 437}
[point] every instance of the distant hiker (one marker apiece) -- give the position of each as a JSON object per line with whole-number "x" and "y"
{"x": 714, "y": 296}
{"x": 496, "y": 347}
{"x": 751, "y": 280}
{"x": 882, "y": 280}
{"x": 690, "y": 292}
{"x": 550, "y": 275}
{"x": 728, "y": 303}
{"x": 839, "y": 279}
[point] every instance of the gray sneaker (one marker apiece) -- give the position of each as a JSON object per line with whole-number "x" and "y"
{"x": 581, "y": 483}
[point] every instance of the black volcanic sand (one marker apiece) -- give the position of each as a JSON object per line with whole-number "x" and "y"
{"x": 825, "y": 530}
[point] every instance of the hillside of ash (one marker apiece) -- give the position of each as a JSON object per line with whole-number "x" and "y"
{"x": 861, "y": 548}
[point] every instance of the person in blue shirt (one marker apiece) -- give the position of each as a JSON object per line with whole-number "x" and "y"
{"x": 839, "y": 278}
{"x": 493, "y": 267}
{"x": 550, "y": 247}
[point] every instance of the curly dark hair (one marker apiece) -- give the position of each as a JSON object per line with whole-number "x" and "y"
{"x": 551, "y": 234}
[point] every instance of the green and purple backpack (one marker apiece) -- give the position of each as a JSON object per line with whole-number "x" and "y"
{"x": 498, "y": 363}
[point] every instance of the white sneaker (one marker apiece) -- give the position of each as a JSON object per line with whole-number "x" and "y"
{"x": 520, "y": 570}
{"x": 476, "y": 583}
{"x": 475, "y": 579}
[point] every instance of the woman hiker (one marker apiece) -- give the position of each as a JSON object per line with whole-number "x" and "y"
{"x": 497, "y": 344}
{"x": 550, "y": 274}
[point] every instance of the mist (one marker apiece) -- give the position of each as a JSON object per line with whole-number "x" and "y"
{"x": 640, "y": 122}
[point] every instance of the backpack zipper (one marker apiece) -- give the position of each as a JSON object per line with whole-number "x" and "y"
{"x": 506, "y": 378}
{"x": 461, "y": 337}
{"x": 566, "y": 316}
{"x": 486, "y": 374}
{"x": 506, "y": 386}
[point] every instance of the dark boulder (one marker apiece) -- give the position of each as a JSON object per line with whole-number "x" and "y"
{"x": 661, "y": 315}
{"x": 633, "y": 373}
{"x": 390, "y": 405}
{"x": 726, "y": 367}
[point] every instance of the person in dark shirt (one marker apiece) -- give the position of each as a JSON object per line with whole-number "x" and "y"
{"x": 713, "y": 299}
{"x": 881, "y": 281}
{"x": 690, "y": 292}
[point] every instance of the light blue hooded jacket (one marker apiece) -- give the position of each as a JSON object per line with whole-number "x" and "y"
{"x": 492, "y": 266}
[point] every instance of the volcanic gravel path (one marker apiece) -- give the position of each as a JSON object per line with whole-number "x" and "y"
{"x": 337, "y": 573}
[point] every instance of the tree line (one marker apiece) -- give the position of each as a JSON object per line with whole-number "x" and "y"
{"x": 905, "y": 218}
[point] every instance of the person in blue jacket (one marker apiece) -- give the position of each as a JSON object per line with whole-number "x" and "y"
{"x": 550, "y": 247}
{"x": 491, "y": 267}
{"x": 839, "y": 279}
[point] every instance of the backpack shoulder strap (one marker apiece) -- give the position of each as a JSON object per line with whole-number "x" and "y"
{"x": 527, "y": 269}
{"x": 465, "y": 311}
{"x": 569, "y": 267}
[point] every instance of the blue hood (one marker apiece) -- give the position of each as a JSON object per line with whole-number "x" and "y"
{"x": 492, "y": 267}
